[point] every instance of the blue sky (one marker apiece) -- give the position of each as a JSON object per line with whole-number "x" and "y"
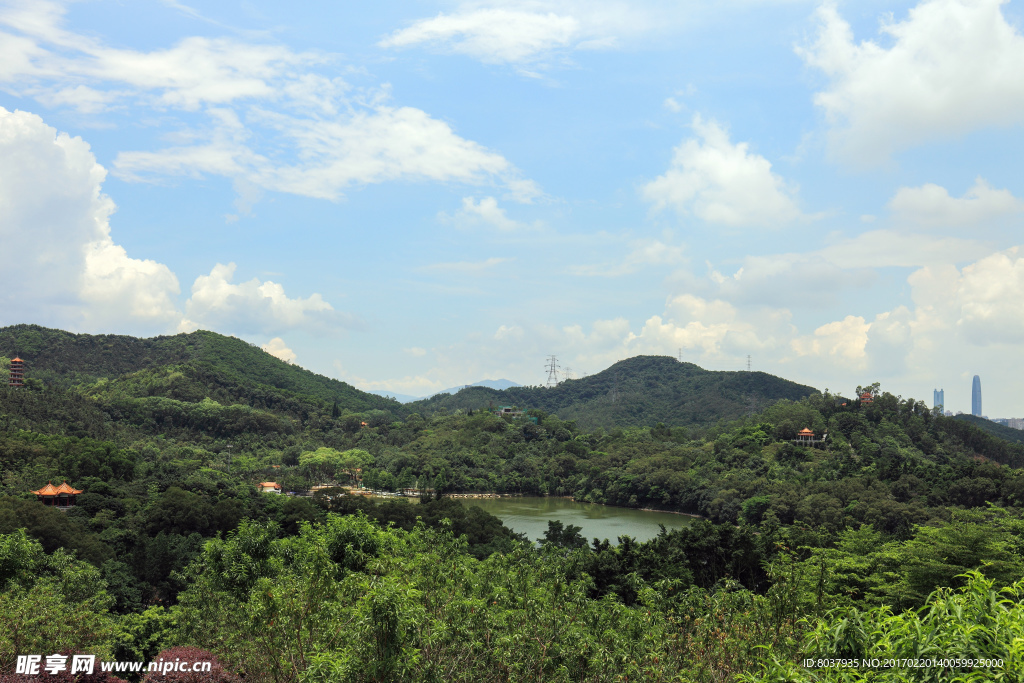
{"x": 426, "y": 194}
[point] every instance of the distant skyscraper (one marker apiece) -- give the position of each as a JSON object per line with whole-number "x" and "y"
{"x": 976, "y": 397}
{"x": 939, "y": 399}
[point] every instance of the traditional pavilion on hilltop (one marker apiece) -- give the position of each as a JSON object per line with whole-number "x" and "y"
{"x": 806, "y": 437}
{"x": 866, "y": 398}
{"x": 62, "y": 496}
{"x": 17, "y": 378}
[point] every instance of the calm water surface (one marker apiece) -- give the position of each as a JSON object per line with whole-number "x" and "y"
{"x": 530, "y": 516}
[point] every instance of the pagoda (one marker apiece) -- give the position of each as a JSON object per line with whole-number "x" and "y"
{"x": 17, "y": 373}
{"x": 62, "y": 496}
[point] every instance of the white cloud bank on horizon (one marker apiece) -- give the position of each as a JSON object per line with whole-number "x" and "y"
{"x": 69, "y": 272}
{"x": 951, "y": 67}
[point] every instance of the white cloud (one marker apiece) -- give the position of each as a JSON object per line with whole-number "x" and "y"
{"x": 819, "y": 277}
{"x": 723, "y": 183}
{"x": 990, "y": 296}
{"x": 492, "y": 35}
{"x": 251, "y": 306}
{"x": 467, "y": 266}
{"x": 952, "y": 66}
{"x": 485, "y": 214}
{"x": 416, "y": 351}
{"x": 886, "y": 248}
{"x": 56, "y": 220}
{"x": 381, "y": 145}
{"x": 278, "y": 349}
{"x": 643, "y": 253}
{"x": 931, "y": 205}
{"x": 843, "y": 339}
{"x": 273, "y": 120}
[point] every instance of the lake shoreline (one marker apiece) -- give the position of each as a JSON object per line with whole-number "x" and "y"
{"x": 497, "y": 496}
{"x": 532, "y": 514}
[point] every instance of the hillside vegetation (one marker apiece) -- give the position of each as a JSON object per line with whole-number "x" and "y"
{"x": 638, "y": 392}
{"x": 898, "y": 536}
{"x": 205, "y": 360}
{"x": 993, "y": 428}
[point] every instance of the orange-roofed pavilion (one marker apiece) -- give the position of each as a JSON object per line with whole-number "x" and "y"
{"x": 62, "y": 496}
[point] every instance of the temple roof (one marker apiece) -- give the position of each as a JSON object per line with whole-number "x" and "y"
{"x": 806, "y": 432}
{"x": 51, "y": 490}
{"x": 272, "y": 484}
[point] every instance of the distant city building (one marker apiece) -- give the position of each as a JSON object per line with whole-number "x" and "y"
{"x": 976, "y": 397}
{"x": 1015, "y": 423}
{"x": 17, "y": 373}
{"x": 939, "y": 399}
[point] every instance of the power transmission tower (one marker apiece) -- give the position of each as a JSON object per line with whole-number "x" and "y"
{"x": 680, "y": 354}
{"x": 567, "y": 373}
{"x": 552, "y": 368}
{"x": 748, "y": 362}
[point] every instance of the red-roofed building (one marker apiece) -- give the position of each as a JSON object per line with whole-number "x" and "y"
{"x": 866, "y": 398}
{"x": 17, "y": 377}
{"x": 270, "y": 487}
{"x": 62, "y": 496}
{"x": 806, "y": 437}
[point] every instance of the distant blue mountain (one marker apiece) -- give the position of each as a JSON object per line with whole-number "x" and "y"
{"x": 491, "y": 383}
{"x": 401, "y": 398}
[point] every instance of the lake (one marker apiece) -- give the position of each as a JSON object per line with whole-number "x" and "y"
{"x": 530, "y": 515}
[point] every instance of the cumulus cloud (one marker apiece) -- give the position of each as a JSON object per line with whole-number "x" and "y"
{"x": 950, "y": 67}
{"x": 844, "y": 339}
{"x": 990, "y": 297}
{"x": 724, "y": 183}
{"x": 63, "y": 266}
{"x": 278, "y": 349}
{"x": 855, "y": 345}
{"x": 273, "y": 118}
{"x": 930, "y": 205}
{"x": 251, "y": 306}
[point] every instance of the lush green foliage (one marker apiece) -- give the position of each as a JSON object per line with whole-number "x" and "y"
{"x": 639, "y": 391}
{"x": 839, "y": 546}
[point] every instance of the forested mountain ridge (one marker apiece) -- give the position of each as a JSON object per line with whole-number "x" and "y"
{"x": 638, "y": 391}
{"x": 806, "y": 550}
{"x": 993, "y": 428}
{"x": 207, "y": 361}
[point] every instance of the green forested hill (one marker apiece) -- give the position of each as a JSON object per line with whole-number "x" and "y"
{"x": 639, "y": 391}
{"x": 993, "y": 428}
{"x": 205, "y": 363}
{"x": 804, "y": 550}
